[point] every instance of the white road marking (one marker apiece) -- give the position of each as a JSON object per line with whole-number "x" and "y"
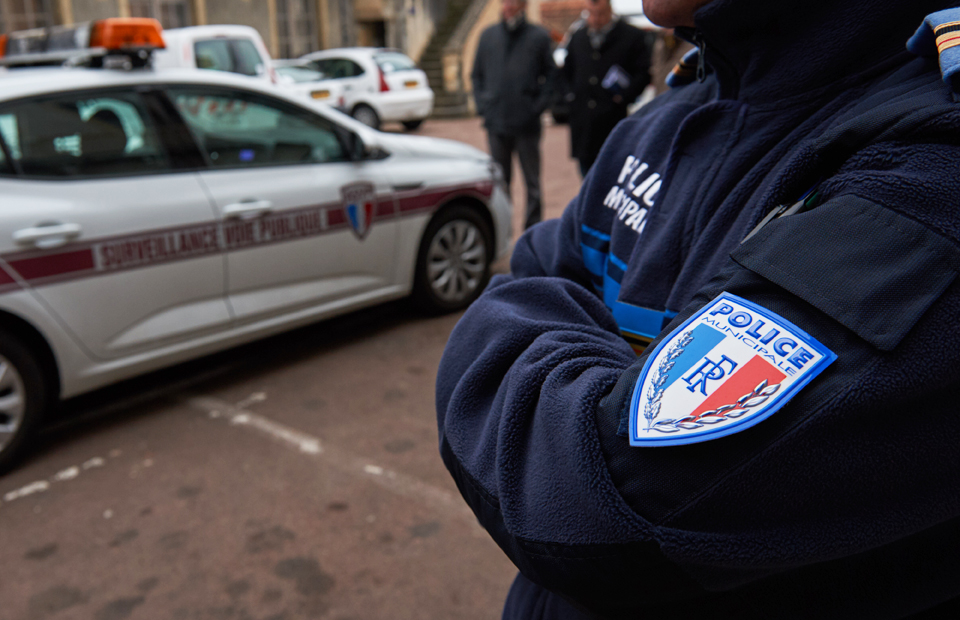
{"x": 94, "y": 462}
{"x": 67, "y": 474}
{"x": 304, "y": 443}
{"x": 256, "y": 397}
{"x": 396, "y": 482}
{"x": 34, "y": 487}
{"x": 64, "y": 475}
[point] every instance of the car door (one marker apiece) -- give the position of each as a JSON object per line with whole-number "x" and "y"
{"x": 304, "y": 226}
{"x": 102, "y": 226}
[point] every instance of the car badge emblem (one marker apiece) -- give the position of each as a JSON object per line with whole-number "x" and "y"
{"x": 359, "y": 200}
{"x": 728, "y": 367}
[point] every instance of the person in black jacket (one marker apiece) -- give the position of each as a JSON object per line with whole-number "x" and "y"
{"x": 607, "y": 67}
{"x": 512, "y": 79}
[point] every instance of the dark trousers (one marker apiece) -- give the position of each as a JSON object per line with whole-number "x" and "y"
{"x": 527, "y": 146}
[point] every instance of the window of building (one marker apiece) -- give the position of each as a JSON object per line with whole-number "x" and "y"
{"x": 171, "y": 13}
{"x": 24, "y": 14}
{"x": 296, "y": 27}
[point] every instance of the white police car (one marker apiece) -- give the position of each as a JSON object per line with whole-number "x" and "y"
{"x": 150, "y": 217}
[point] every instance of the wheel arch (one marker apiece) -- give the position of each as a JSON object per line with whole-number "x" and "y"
{"x": 34, "y": 339}
{"x": 364, "y": 103}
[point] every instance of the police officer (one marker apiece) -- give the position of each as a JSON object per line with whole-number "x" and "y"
{"x": 606, "y": 68}
{"x": 723, "y": 383}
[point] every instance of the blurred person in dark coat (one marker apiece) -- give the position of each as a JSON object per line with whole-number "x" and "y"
{"x": 606, "y": 68}
{"x": 512, "y": 81}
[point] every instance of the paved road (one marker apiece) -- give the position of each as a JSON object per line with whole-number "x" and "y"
{"x": 293, "y": 478}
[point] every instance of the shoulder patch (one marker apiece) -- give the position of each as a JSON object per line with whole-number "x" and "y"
{"x": 939, "y": 36}
{"x": 729, "y": 366}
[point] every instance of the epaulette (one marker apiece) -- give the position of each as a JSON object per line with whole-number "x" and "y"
{"x": 685, "y": 71}
{"x": 939, "y": 35}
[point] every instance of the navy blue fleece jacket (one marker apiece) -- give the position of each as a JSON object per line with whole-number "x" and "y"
{"x": 845, "y": 502}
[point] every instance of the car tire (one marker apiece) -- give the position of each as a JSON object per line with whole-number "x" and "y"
{"x": 412, "y": 125}
{"x": 453, "y": 263}
{"x": 366, "y": 115}
{"x": 24, "y": 398}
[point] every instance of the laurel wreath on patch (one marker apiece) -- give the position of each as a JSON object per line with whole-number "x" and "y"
{"x": 659, "y": 378}
{"x": 757, "y": 397}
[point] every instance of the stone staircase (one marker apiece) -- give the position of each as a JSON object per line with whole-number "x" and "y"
{"x": 446, "y": 104}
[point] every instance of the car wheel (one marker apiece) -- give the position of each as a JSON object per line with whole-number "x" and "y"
{"x": 24, "y": 396}
{"x": 412, "y": 125}
{"x": 367, "y": 115}
{"x": 453, "y": 264}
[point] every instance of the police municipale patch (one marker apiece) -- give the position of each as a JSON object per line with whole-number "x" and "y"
{"x": 728, "y": 367}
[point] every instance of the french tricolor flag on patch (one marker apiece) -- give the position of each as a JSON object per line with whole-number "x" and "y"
{"x": 728, "y": 367}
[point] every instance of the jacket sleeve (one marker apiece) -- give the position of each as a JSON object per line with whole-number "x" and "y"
{"x": 478, "y": 76}
{"x": 547, "y": 74}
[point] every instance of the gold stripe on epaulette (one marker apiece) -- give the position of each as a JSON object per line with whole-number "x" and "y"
{"x": 946, "y": 41}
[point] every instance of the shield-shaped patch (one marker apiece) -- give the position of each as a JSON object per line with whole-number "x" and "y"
{"x": 728, "y": 367}
{"x": 359, "y": 205}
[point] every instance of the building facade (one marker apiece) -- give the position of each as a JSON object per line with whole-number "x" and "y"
{"x": 290, "y": 28}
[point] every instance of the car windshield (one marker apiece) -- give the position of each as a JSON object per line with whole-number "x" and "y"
{"x": 394, "y": 61}
{"x": 300, "y": 74}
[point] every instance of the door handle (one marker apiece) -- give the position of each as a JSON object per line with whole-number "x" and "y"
{"x": 248, "y": 209}
{"x": 46, "y": 236}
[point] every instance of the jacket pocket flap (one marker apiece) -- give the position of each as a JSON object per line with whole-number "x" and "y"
{"x": 871, "y": 269}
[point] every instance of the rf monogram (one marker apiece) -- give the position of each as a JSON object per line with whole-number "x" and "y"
{"x": 709, "y": 371}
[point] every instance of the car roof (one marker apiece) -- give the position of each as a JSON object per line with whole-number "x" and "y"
{"x": 211, "y": 31}
{"x": 347, "y": 51}
{"x": 17, "y": 83}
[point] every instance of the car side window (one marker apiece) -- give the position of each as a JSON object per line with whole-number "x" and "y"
{"x": 214, "y": 55}
{"x": 82, "y": 135}
{"x": 246, "y": 57}
{"x": 7, "y": 123}
{"x": 231, "y": 55}
{"x": 321, "y": 66}
{"x": 341, "y": 68}
{"x": 238, "y": 129}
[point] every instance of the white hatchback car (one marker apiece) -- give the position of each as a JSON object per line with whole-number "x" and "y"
{"x": 308, "y": 82}
{"x": 152, "y": 216}
{"x": 380, "y": 85}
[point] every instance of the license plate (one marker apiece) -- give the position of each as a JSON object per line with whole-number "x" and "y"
{"x": 320, "y": 94}
{"x": 411, "y": 83}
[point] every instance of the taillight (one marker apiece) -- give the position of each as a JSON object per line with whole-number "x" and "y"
{"x": 384, "y": 87}
{"x": 3, "y": 45}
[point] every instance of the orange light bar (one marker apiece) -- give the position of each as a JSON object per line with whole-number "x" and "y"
{"x": 118, "y": 33}
{"x": 3, "y": 45}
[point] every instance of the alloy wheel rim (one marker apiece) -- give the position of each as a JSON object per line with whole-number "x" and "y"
{"x": 12, "y": 401}
{"x": 456, "y": 261}
{"x": 366, "y": 116}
